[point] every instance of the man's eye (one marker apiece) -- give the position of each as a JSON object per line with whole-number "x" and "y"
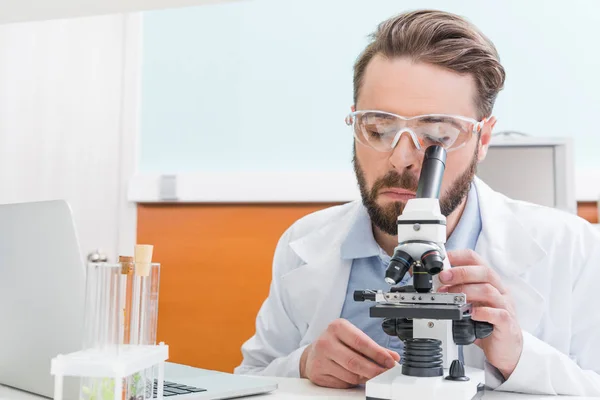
{"x": 375, "y": 134}
{"x": 444, "y": 140}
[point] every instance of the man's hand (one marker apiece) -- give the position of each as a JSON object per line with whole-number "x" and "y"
{"x": 344, "y": 356}
{"x": 491, "y": 303}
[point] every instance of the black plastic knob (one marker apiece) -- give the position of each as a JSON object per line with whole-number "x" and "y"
{"x": 389, "y": 326}
{"x": 364, "y": 295}
{"x": 402, "y": 328}
{"x": 463, "y": 331}
{"x": 483, "y": 329}
{"x": 457, "y": 372}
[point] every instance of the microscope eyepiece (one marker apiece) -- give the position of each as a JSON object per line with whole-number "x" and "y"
{"x": 432, "y": 172}
{"x": 398, "y": 267}
{"x": 433, "y": 262}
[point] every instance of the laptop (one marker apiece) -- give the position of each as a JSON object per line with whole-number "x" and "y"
{"x": 42, "y": 291}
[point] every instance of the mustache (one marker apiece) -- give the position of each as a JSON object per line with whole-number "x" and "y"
{"x": 393, "y": 179}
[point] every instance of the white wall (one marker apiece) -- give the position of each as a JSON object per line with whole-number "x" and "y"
{"x": 262, "y": 85}
{"x": 66, "y": 89}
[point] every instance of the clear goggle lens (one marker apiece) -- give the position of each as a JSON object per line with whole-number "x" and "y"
{"x": 382, "y": 131}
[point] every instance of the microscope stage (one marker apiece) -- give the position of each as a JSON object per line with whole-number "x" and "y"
{"x": 423, "y": 311}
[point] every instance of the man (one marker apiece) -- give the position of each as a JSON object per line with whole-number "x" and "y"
{"x": 430, "y": 77}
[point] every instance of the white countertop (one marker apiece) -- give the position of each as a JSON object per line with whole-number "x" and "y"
{"x": 292, "y": 388}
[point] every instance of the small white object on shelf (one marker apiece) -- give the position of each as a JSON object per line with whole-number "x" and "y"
{"x": 94, "y": 363}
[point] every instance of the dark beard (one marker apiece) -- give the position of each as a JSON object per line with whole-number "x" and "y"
{"x": 385, "y": 218}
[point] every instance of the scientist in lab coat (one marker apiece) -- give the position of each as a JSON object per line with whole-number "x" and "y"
{"x": 430, "y": 77}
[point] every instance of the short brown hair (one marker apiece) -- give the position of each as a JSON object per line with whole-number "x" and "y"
{"x": 443, "y": 39}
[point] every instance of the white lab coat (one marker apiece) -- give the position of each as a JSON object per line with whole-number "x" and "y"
{"x": 548, "y": 259}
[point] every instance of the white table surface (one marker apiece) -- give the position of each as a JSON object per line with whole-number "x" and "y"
{"x": 292, "y": 388}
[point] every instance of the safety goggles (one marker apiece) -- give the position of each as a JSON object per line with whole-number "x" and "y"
{"x": 382, "y": 130}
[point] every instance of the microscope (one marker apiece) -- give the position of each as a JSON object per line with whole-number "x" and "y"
{"x": 433, "y": 326}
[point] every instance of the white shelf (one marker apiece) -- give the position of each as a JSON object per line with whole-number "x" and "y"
{"x": 244, "y": 187}
{"x": 272, "y": 187}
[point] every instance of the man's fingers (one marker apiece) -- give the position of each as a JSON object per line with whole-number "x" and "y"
{"x": 394, "y": 355}
{"x": 495, "y": 316}
{"x": 465, "y": 257}
{"x": 354, "y": 362}
{"x": 476, "y": 270}
{"x": 356, "y": 339}
{"x": 472, "y": 274}
{"x": 334, "y": 369}
{"x": 483, "y": 293}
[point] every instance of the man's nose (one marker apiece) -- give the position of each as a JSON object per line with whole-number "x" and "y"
{"x": 405, "y": 156}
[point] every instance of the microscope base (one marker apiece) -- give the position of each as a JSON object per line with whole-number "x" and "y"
{"x": 392, "y": 385}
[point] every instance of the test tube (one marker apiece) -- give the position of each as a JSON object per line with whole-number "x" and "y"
{"x": 151, "y": 322}
{"x": 127, "y": 270}
{"x": 102, "y": 300}
{"x": 143, "y": 315}
{"x": 126, "y": 287}
{"x": 148, "y": 312}
{"x": 136, "y": 382}
{"x": 101, "y": 322}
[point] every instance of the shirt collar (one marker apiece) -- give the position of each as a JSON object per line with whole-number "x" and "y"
{"x": 466, "y": 233}
{"x": 360, "y": 242}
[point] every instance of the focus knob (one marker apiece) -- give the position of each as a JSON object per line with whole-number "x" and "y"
{"x": 457, "y": 372}
{"x": 364, "y": 295}
{"x": 483, "y": 329}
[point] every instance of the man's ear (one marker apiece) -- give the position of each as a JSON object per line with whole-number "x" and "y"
{"x": 485, "y": 136}
{"x": 353, "y": 108}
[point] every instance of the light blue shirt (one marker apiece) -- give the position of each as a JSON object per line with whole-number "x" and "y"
{"x": 370, "y": 263}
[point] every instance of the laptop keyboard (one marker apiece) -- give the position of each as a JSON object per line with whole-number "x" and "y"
{"x": 172, "y": 389}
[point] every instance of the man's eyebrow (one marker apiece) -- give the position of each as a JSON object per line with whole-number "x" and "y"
{"x": 379, "y": 118}
{"x": 383, "y": 115}
{"x": 441, "y": 118}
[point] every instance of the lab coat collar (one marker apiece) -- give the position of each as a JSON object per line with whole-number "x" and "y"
{"x": 508, "y": 246}
{"x": 503, "y": 235}
{"x": 320, "y": 285}
{"x": 327, "y": 240}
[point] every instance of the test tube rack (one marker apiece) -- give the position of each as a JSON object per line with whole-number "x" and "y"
{"x": 116, "y": 367}
{"x": 119, "y": 358}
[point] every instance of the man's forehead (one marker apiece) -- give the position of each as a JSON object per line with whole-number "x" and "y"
{"x": 409, "y": 88}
